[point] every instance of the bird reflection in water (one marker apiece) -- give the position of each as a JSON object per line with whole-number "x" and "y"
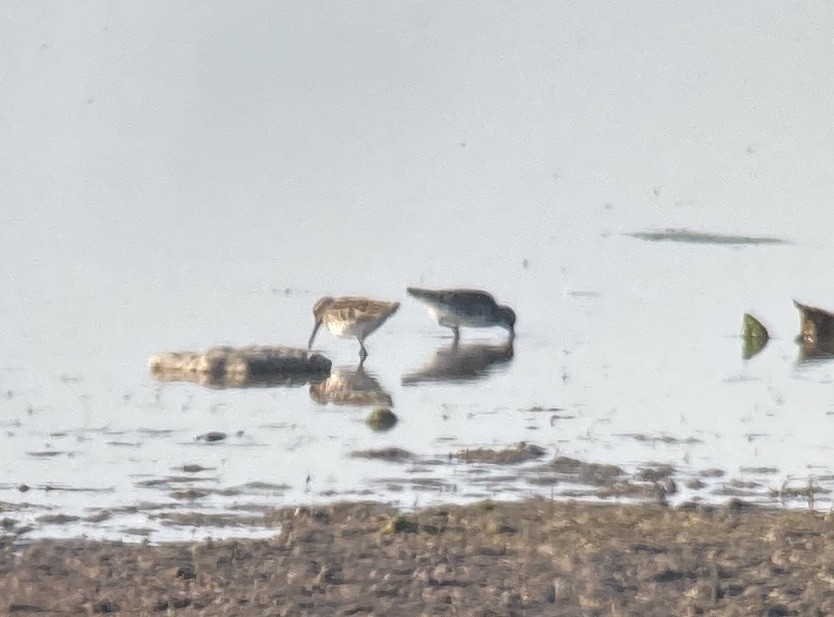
{"x": 816, "y": 333}
{"x": 815, "y": 351}
{"x": 350, "y": 386}
{"x": 462, "y": 363}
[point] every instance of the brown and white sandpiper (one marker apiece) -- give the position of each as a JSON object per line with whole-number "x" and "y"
{"x": 351, "y": 317}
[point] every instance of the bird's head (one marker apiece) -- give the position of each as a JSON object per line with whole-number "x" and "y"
{"x": 318, "y": 314}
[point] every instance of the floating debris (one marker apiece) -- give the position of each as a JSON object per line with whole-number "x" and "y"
{"x": 667, "y": 439}
{"x": 393, "y": 455}
{"x": 270, "y": 487}
{"x": 759, "y": 470}
{"x": 519, "y": 453}
{"x": 98, "y": 517}
{"x": 194, "y": 468}
{"x": 540, "y": 408}
{"x": 58, "y": 519}
{"x": 237, "y": 367}
{"x": 689, "y": 236}
{"x": 212, "y": 436}
{"x": 381, "y": 419}
{"x": 754, "y": 336}
{"x": 46, "y": 453}
{"x": 656, "y": 473}
{"x": 171, "y": 481}
{"x": 189, "y": 494}
{"x": 581, "y": 471}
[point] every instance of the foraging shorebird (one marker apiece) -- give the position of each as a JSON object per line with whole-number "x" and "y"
{"x": 454, "y": 308}
{"x": 351, "y": 317}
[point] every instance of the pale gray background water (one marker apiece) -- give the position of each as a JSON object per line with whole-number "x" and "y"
{"x": 178, "y": 176}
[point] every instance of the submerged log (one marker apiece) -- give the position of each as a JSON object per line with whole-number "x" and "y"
{"x": 255, "y": 365}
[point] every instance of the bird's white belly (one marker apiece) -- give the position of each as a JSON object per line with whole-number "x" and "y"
{"x": 451, "y": 319}
{"x": 341, "y": 328}
{"x": 351, "y": 329}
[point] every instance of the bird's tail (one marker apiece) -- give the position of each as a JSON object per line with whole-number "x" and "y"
{"x": 422, "y": 294}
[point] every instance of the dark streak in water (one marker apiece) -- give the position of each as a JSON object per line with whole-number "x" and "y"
{"x": 265, "y": 486}
{"x": 165, "y": 432}
{"x": 667, "y": 439}
{"x": 169, "y": 481}
{"x": 539, "y": 408}
{"x": 193, "y": 468}
{"x": 74, "y": 489}
{"x": 58, "y": 519}
{"x": 584, "y": 294}
{"x": 701, "y": 237}
{"x": 124, "y": 444}
{"x": 759, "y": 470}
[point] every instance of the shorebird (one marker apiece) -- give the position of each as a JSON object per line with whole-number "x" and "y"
{"x": 472, "y": 308}
{"x": 351, "y": 317}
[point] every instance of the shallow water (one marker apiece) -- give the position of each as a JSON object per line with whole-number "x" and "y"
{"x": 524, "y": 153}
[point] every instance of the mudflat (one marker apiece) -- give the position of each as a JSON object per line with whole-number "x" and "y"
{"x": 535, "y": 557}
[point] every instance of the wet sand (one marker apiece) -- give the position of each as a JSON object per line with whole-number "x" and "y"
{"x": 530, "y": 558}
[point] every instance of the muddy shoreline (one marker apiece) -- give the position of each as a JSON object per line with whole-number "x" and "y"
{"x": 535, "y": 557}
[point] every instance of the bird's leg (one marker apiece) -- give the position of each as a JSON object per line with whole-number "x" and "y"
{"x": 363, "y": 353}
{"x": 456, "y": 332}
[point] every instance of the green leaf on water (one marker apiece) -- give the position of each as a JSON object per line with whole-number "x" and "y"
{"x": 754, "y": 336}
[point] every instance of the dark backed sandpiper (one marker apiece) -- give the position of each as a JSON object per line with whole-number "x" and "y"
{"x": 469, "y": 308}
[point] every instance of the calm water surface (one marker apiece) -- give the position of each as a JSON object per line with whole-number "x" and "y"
{"x": 170, "y": 187}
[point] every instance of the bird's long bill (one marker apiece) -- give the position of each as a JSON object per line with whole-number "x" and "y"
{"x": 313, "y": 335}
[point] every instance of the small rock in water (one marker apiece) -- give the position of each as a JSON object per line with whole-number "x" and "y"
{"x": 381, "y": 419}
{"x": 189, "y": 494}
{"x": 106, "y": 606}
{"x": 212, "y": 436}
{"x": 400, "y": 524}
{"x": 394, "y": 455}
{"x": 194, "y": 468}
